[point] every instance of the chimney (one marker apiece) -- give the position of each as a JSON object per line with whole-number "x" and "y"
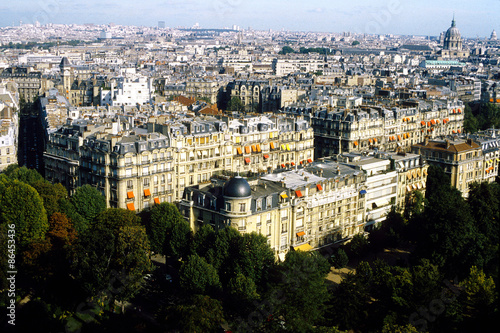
{"x": 447, "y": 144}
{"x": 426, "y": 140}
{"x": 469, "y": 141}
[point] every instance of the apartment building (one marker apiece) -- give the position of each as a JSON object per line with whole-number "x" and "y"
{"x": 368, "y": 127}
{"x": 28, "y": 82}
{"x": 134, "y": 167}
{"x": 462, "y": 160}
{"x": 9, "y": 124}
{"x": 297, "y": 209}
{"x": 202, "y": 88}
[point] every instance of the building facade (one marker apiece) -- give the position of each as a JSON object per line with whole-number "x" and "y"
{"x": 368, "y": 127}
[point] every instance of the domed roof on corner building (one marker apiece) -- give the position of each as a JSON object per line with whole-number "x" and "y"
{"x": 237, "y": 187}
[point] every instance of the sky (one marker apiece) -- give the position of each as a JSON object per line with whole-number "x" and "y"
{"x": 407, "y": 17}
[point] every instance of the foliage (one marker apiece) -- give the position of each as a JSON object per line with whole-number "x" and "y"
{"x": 23, "y": 174}
{"x": 201, "y": 314}
{"x": 354, "y": 43}
{"x": 21, "y": 205}
{"x": 242, "y": 289}
{"x": 115, "y": 248}
{"x": 358, "y": 245}
{"x": 339, "y": 259}
{"x": 482, "y": 117}
{"x": 51, "y": 195}
{"x": 446, "y": 233}
{"x": 286, "y": 49}
{"x": 168, "y": 232}
{"x": 304, "y": 290}
{"x": 88, "y": 202}
{"x": 198, "y": 276}
{"x": 235, "y": 104}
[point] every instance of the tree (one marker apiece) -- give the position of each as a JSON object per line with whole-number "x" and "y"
{"x": 201, "y": 314}
{"x": 354, "y": 43}
{"x": 197, "y": 276}
{"x": 20, "y": 205}
{"x": 252, "y": 257}
{"x": 339, "y": 259}
{"x": 203, "y": 240}
{"x": 446, "y": 233}
{"x": 23, "y": 174}
{"x": 348, "y": 308}
{"x": 88, "y": 202}
{"x": 112, "y": 256}
{"x": 235, "y": 104}
{"x": 479, "y": 293}
{"x": 243, "y": 289}
{"x": 168, "y": 232}
{"x": 358, "y": 245}
{"x": 304, "y": 290}
{"x": 51, "y": 195}
{"x": 286, "y": 49}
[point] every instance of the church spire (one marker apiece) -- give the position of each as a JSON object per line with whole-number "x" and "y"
{"x": 453, "y": 21}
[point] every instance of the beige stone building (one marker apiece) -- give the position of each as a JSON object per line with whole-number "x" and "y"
{"x": 135, "y": 167}
{"x": 298, "y": 209}
{"x": 368, "y": 127}
{"x": 461, "y": 160}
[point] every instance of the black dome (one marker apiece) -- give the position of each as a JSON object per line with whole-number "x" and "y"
{"x": 237, "y": 187}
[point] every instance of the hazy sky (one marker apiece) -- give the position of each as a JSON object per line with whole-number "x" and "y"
{"x": 424, "y": 17}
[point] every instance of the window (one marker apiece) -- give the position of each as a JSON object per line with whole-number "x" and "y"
{"x": 242, "y": 207}
{"x": 130, "y": 184}
{"x": 299, "y": 223}
{"x": 228, "y": 206}
{"x": 146, "y": 182}
{"x": 128, "y": 172}
{"x": 259, "y": 204}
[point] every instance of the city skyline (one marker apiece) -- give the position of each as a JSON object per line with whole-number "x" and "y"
{"x": 372, "y": 17}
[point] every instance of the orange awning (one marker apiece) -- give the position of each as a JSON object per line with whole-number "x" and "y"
{"x": 157, "y": 201}
{"x": 375, "y": 140}
{"x": 320, "y": 188}
{"x": 399, "y": 137}
{"x": 130, "y": 195}
{"x": 300, "y": 234}
{"x": 247, "y": 160}
{"x": 254, "y": 149}
{"x": 298, "y": 193}
{"x": 453, "y": 110}
{"x": 272, "y": 145}
{"x": 247, "y": 149}
{"x": 433, "y": 122}
{"x": 147, "y": 193}
{"x": 282, "y": 165}
{"x": 130, "y": 206}
{"x": 258, "y": 148}
{"x": 239, "y": 150}
{"x": 309, "y": 160}
{"x": 266, "y": 156}
{"x": 459, "y": 110}
{"x": 423, "y": 123}
{"x": 293, "y": 163}
{"x": 370, "y": 141}
{"x": 355, "y": 143}
{"x": 459, "y": 131}
{"x": 428, "y": 123}
{"x": 454, "y": 132}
